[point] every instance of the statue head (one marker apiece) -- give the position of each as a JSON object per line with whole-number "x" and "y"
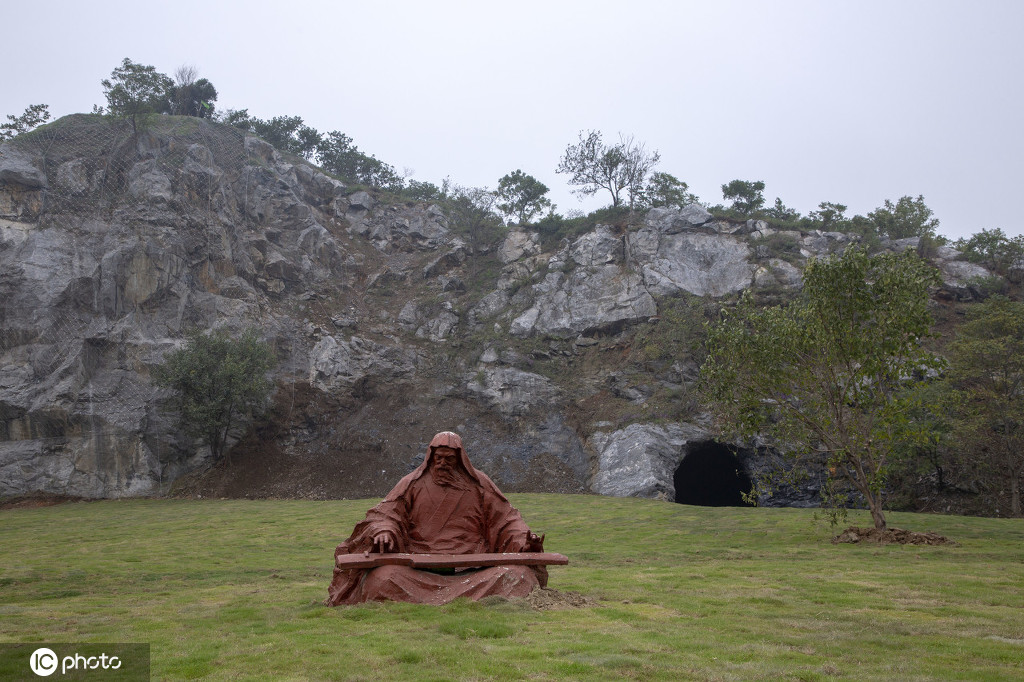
{"x": 446, "y": 460}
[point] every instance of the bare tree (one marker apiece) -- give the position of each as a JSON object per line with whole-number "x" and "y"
{"x": 594, "y": 166}
{"x": 184, "y": 78}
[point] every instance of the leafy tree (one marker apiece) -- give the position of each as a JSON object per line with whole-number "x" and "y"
{"x": 829, "y": 216}
{"x": 34, "y": 115}
{"x": 336, "y": 153}
{"x": 287, "y": 133}
{"x": 423, "y": 191}
{"x": 521, "y": 196}
{"x": 994, "y": 249}
{"x": 782, "y": 213}
{"x": 908, "y": 217}
{"x": 594, "y": 166}
{"x": 747, "y": 197}
{"x": 471, "y": 212}
{"x": 821, "y": 376}
{"x": 191, "y": 96}
{"x": 217, "y": 380}
{"x": 987, "y": 367}
{"x": 666, "y": 190}
{"x": 135, "y": 89}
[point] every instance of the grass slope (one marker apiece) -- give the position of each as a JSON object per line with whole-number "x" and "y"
{"x": 232, "y": 590}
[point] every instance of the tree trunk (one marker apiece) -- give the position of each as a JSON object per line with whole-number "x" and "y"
{"x": 878, "y": 517}
{"x": 875, "y": 506}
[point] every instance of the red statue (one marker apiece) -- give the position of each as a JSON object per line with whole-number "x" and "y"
{"x": 452, "y": 520}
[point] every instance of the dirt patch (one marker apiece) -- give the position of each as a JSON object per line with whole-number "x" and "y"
{"x": 547, "y": 599}
{"x": 35, "y": 501}
{"x": 890, "y": 536}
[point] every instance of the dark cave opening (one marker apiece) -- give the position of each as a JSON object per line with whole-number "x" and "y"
{"x": 711, "y": 475}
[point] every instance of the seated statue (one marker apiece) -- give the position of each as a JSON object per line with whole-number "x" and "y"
{"x": 444, "y": 507}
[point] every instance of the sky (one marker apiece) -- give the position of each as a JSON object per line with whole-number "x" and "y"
{"x": 840, "y": 101}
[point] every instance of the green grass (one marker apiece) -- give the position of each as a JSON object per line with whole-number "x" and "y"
{"x": 232, "y": 590}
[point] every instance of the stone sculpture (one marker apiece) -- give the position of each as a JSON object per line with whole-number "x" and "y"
{"x": 445, "y": 531}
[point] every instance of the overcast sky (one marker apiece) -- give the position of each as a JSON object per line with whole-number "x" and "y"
{"x": 849, "y": 102}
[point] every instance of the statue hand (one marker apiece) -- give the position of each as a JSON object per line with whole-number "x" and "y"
{"x": 534, "y": 542}
{"x": 384, "y": 542}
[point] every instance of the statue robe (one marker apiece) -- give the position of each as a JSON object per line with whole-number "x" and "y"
{"x": 425, "y": 517}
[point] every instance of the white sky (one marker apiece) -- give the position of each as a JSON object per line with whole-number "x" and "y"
{"x": 843, "y": 101}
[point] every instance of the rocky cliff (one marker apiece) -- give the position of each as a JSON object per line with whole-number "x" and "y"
{"x": 566, "y": 369}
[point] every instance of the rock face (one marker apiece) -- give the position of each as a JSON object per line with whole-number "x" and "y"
{"x": 640, "y": 460}
{"x": 387, "y": 322}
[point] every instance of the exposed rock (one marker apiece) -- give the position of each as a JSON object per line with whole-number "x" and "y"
{"x": 393, "y": 230}
{"x": 377, "y": 313}
{"x": 355, "y": 361}
{"x": 821, "y": 244}
{"x": 518, "y": 244}
{"x": 701, "y": 264}
{"x": 957, "y": 276}
{"x": 73, "y": 177}
{"x": 598, "y": 248}
{"x": 588, "y": 299}
{"x": 786, "y": 273}
{"x": 513, "y": 392}
{"x": 640, "y": 460}
{"x": 146, "y": 181}
{"x": 671, "y": 221}
{"x": 18, "y": 167}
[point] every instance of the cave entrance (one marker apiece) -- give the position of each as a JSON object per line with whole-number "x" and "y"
{"x": 711, "y": 475}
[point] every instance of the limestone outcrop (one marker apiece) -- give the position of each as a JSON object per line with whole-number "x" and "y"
{"x": 389, "y": 322}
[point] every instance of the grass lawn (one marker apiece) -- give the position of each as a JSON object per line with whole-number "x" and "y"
{"x": 232, "y": 589}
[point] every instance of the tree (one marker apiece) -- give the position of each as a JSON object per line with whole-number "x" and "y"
{"x": 337, "y": 154}
{"x": 217, "y": 380}
{"x": 34, "y": 115}
{"x": 522, "y": 196}
{"x": 666, "y": 190}
{"x": 906, "y": 218}
{"x": 594, "y": 166}
{"x": 829, "y": 215}
{"x": 747, "y": 197}
{"x": 821, "y": 376}
{"x": 423, "y": 191}
{"x": 471, "y": 213}
{"x": 994, "y": 249}
{"x": 135, "y": 89}
{"x": 987, "y": 368}
{"x": 191, "y": 96}
{"x": 782, "y": 213}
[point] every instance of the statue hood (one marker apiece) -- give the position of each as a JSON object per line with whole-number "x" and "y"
{"x": 454, "y": 441}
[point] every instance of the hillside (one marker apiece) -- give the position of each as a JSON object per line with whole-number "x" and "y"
{"x": 566, "y": 366}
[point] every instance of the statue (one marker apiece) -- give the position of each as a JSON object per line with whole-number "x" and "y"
{"x": 445, "y": 531}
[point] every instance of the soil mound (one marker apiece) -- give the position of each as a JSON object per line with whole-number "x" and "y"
{"x": 890, "y": 536}
{"x": 541, "y": 599}
{"x": 545, "y": 598}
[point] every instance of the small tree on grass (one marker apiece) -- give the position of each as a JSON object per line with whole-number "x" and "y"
{"x": 218, "y": 380}
{"x": 822, "y": 376}
{"x": 135, "y": 89}
{"x": 35, "y": 115}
